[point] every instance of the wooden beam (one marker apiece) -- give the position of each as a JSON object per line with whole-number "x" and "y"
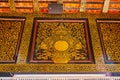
{"x": 106, "y": 6}
{"x": 82, "y": 5}
{"x": 12, "y": 5}
{"x": 36, "y": 7}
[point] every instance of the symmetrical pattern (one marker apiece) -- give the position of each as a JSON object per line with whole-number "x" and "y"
{"x": 22, "y": 67}
{"x": 61, "y": 41}
{"x": 109, "y": 31}
{"x": 10, "y": 36}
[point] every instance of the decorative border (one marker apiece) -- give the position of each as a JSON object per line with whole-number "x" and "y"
{"x": 101, "y": 38}
{"x": 22, "y": 20}
{"x": 33, "y": 37}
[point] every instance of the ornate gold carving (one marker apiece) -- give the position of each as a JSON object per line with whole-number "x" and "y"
{"x": 9, "y": 33}
{"x": 22, "y": 66}
{"x": 61, "y": 42}
{"x": 111, "y": 39}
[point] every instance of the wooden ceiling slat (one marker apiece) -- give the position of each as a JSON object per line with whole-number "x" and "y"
{"x": 3, "y": 0}
{"x": 24, "y": 7}
{"x": 71, "y": 11}
{"x": 69, "y": 6}
{"x": 71, "y": 1}
{"x": 44, "y": 10}
{"x": 94, "y": 5}
{"x": 4, "y": 4}
{"x": 21, "y": 10}
{"x": 114, "y": 0}
{"x": 94, "y": 0}
{"x": 74, "y": 5}
{"x": 4, "y": 9}
{"x": 23, "y": 0}
{"x": 55, "y": 1}
{"x": 23, "y": 4}
{"x": 47, "y": 1}
{"x": 93, "y": 11}
{"x": 114, "y": 11}
{"x": 114, "y": 6}
{"x": 93, "y": 8}
{"x": 43, "y": 5}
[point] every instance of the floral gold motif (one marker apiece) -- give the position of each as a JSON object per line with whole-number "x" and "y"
{"x": 9, "y": 35}
{"x": 110, "y": 36}
{"x": 61, "y": 42}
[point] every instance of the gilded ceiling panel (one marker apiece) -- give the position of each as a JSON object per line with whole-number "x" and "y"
{"x": 109, "y": 31}
{"x": 61, "y": 41}
{"x": 10, "y": 37}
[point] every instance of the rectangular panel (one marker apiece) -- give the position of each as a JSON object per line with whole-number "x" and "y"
{"x": 109, "y": 31}
{"x": 10, "y": 37}
{"x": 60, "y": 41}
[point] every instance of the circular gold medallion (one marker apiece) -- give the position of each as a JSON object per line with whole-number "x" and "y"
{"x": 61, "y": 45}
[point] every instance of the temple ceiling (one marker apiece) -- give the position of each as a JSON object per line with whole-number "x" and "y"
{"x": 69, "y": 6}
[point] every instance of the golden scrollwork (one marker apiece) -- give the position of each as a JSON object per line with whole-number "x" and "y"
{"x": 9, "y": 32}
{"x": 111, "y": 39}
{"x": 61, "y": 42}
{"x": 22, "y": 66}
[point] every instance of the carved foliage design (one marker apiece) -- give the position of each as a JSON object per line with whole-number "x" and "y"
{"x": 9, "y": 37}
{"x": 111, "y": 40}
{"x": 60, "y": 42}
